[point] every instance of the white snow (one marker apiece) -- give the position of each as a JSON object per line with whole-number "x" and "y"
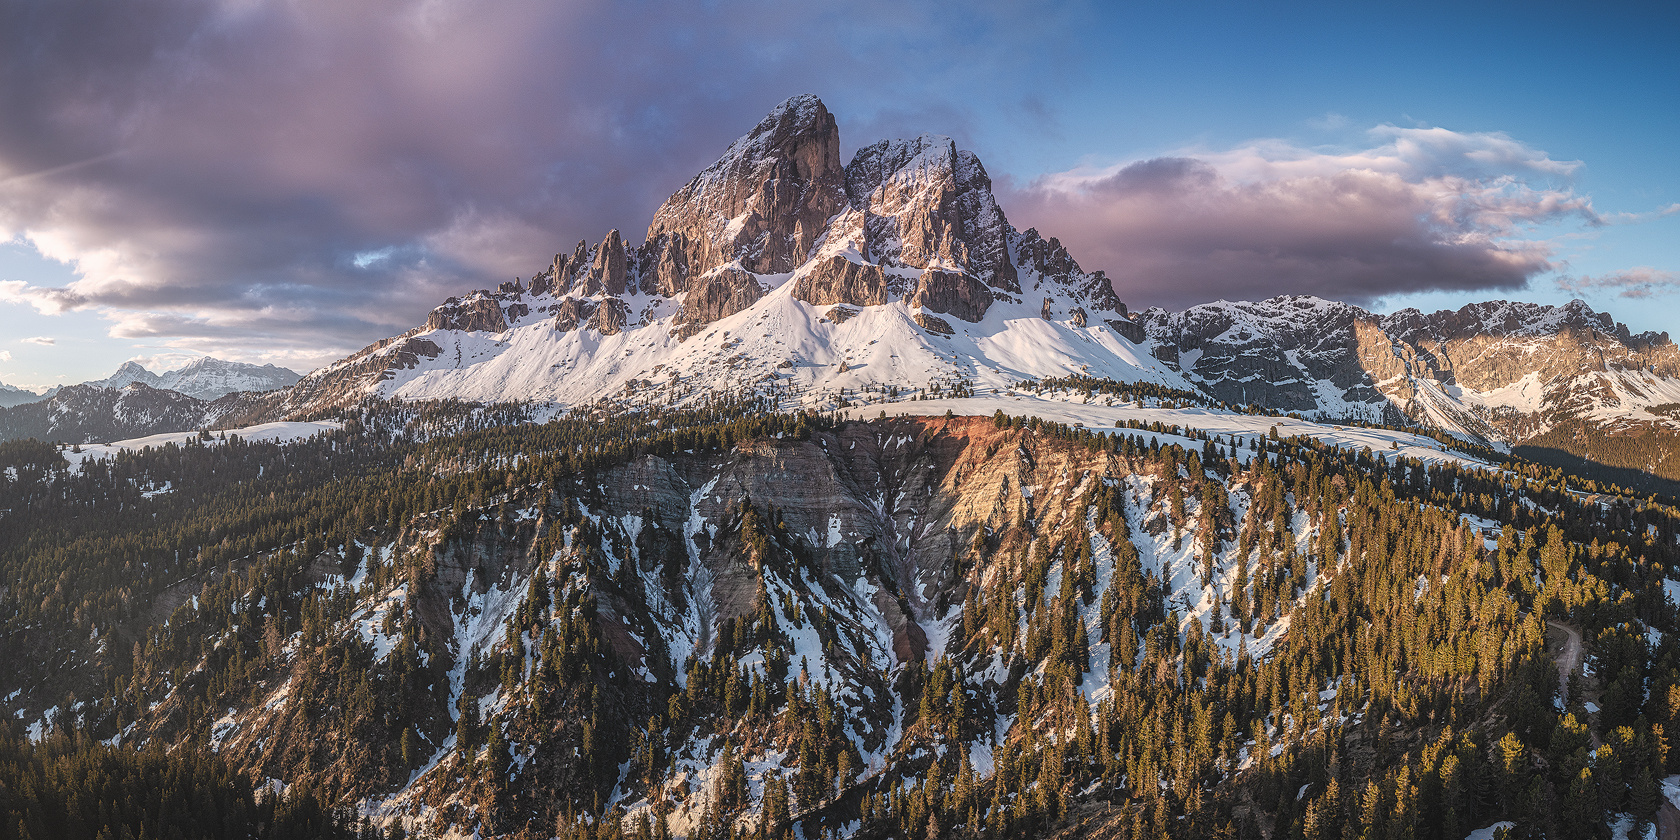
{"x": 282, "y": 432}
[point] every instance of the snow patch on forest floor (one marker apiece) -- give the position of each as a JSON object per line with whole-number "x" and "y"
{"x": 283, "y": 432}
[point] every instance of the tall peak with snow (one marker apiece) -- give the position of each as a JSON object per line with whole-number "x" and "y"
{"x": 764, "y": 202}
{"x": 205, "y": 378}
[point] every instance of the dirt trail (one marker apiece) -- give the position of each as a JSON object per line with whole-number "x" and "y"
{"x": 1570, "y": 660}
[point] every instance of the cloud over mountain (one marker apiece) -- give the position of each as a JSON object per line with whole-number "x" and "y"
{"x": 1423, "y": 209}
{"x": 1638, "y": 282}
{"x": 316, "y": 173}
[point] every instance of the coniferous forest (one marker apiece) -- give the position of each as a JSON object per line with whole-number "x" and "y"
{"x": 730, "y": 623}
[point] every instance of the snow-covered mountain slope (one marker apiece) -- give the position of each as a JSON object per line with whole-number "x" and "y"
{"x": 204, "y": 378}
{"x": 777, "y": 272}
{"x": 1497, "y": 370}
{"x": 1117, "y": 417}
{"x": 780, "y": 274}
{"x": 282, "y": 432}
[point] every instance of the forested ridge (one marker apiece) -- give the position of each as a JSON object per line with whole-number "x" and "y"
{"x": 1159, "y": 633}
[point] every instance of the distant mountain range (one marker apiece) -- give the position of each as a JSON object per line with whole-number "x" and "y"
{"x": 11, "y": 395}
{"x": 204, "y": 378}
{"x": 136, "y": 402}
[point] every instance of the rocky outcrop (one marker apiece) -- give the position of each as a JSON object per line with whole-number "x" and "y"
{"x": 607, "y": 272}
{"x": 934, "y": 324}
{"x": 543, "y": 281}
{"x": 559, "y": 276}
{"x": 479, "y": 312}
{"x": 718, "y": 294}
{"x": 953, "y": 293}
{"x": 664, "y": 266}
{"x": 572, "y": 313}
{"x": 1128, "y": 329}
{"x": 766, "y": 200}
{"x": 610, "y": 315}
{"x": 839, "y": 280}
{"x": 931, "y": 205}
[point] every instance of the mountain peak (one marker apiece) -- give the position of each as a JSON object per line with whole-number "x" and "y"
{"x": 764, "y": 202}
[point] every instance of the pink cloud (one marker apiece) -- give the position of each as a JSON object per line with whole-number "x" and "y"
{"x": 1427, "y": 209}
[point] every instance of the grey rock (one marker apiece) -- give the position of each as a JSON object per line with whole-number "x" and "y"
{"x": 839, "y": 280}
{"x": 664, "y": 266}
{"x": 1129, "y": 330}
{"x": 934, "y": 324}
{"x": 765, "y": 202}
{"x": 609, "y": 316}
{"x": 953, "y": 293}
{"x": 477, "y": 312}
{"x": 931, "y": 204}
{"x": 715, "y": 295}
{"x": 572, "y": 313}
{"x": 607, "y": 272}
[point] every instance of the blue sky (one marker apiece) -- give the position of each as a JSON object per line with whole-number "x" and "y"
{"x": 201, "y": 178}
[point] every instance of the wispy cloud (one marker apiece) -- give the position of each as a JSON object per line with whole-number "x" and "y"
{"x": 1420, "y": 209}
{"x": 1638, "y": 282}
{"x": 5, "y": 355}
{"x": 40, "y": 340}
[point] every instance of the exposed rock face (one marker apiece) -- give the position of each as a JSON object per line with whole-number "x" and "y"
{"x": 665, "y": 266}
{"x": 478, "y": 312}
{"x": 766, "y": 200}
{"x": 953, "y": 293}
{"x": 1129, "y": 329}
{"x": 543, "y": 281}
{"x": 1272, "y": 353}
{"x": 1053, "y": 263}
{"x": 1487, "y": 345}
{"x": 572, "y": 313}
{"x": 716, "y": 295}
{"x": 931, "y": 206}
{"x": 609, "y": 316}
{"x": 934, "y": 324}
{"x": 839, "y": 280}
{"x": 607, "y": 272}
